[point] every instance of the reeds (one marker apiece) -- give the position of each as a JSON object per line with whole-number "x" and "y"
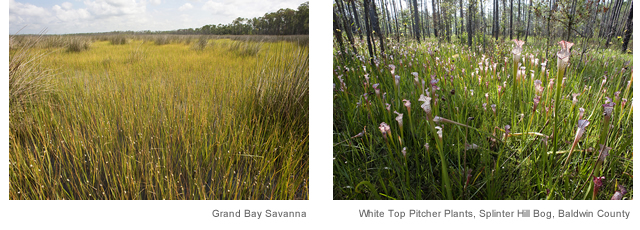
{"x": 29, "y": 80}
{"x": 245, "y": 48}
{"x": 163, "y": 122}
{"x": 282, "y": 86}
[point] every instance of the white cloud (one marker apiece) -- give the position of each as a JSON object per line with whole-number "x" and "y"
{"x": 220, "y": 8}
{"x": 65, "y": 13}
{"x": 21, "y": 13}
{"x": 67, "y": 5}
{"x": 185, "y": 18}
{"x": 115, "y": 7}
{"x": 186, "y": 6}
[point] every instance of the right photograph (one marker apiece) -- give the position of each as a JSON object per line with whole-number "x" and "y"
{"x": 482, "y": 100}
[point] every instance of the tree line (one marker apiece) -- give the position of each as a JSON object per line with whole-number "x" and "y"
{"x": 282, "y": 22}
{"x": 474, "y": 23}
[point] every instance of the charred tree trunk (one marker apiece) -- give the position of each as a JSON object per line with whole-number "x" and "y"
{"x": 510, "y": 19}
{"x": 571, "y": 20}
{"x": 337, "y": 32}
{"x": 628, "y": 31}
{"x": 605, "y": 21}
{"x": 552, "y": 7}
{"x": 496, "y": 19}
{"x": 416, "y": 23}
{"x": 395, "y": 12}
{"x": 368, "y": 28}
{"x": 444, "y": 22}
{"x": 441, "y": 22}
{"x": 484, "y": 26}
{"x": 612, "y": 22}
{"x": 435, "y": 18}
{"x": 346, "y": 24}
{"x": 404, "y": 24}
{"x": 386, "y": 10}
{"x": 518, "y": 22}
{"x": 526, "y": 36}
{"x": 504, "y": 19}
{"x": 376, "y": 24}
{"x": 455, "y": 23}
{"x": 470, "y": 23}
{"x": 461, "y": 18}
{"x": 622, "y": 25}
{"x": 355, "y": 15}
{"x": 426, "y": 21}
{"x": 588, "y": 30}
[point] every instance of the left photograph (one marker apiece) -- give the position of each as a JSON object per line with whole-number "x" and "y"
{"x": 155, "y": 100}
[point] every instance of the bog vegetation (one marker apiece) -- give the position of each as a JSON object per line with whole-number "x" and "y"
{"x": 158, "y": 117}
{"x": 473, "y": 114}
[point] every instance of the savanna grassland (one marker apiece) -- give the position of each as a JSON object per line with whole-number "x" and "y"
{"x": 159, "y": 117}
{"x": 438, "y": 120}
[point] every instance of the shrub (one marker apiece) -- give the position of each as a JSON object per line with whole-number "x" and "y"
{"x": 78, "y": 44}
{"x": 119, "y": 40}
{"x": 162, "y": 40}
{"x": 201, "y": 44}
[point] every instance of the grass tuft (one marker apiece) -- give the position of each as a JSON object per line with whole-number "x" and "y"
{"x": 200, "y": 45}
{"x": 78, "y": 44}
{"x": 29, "y": 80}
{"x": 162, "y": 40}
{"x": 119, "y": 40}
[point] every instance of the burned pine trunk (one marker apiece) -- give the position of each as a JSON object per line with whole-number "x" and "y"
{"x": 628, "y": 31}
{"x": 368, "y": 28}
{"x": 416, "y": 23}
{"x": 434, "y": 18}
{"x": 526, "y": 35}
{"x": 469, "y": 24}
{"x": 355, "y": 15}
{"x": 376, "y": 24}
{"x": 612, "y": 22}
{"x": 337, "y": 32}
{"x": 347, "y": 25}
{"x": 395, "y": 12}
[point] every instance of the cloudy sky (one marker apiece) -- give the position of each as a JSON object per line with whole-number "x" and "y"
{"x": 83, "y": 16}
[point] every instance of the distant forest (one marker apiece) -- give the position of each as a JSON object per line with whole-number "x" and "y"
{"x": 282, "y": 22}
{"x": 607, "y": 22}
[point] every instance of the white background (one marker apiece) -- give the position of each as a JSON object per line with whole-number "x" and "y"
{"x": 322, "y": 211}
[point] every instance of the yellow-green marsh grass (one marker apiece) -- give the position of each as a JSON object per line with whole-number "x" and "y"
{"x": 144, "y": 121}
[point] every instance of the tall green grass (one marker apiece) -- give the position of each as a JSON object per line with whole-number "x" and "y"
{"x": 141, "y": 121}
{"x": 484, "y": 136}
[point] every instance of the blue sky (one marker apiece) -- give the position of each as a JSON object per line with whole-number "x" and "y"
{"x": 84, "y": 16}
